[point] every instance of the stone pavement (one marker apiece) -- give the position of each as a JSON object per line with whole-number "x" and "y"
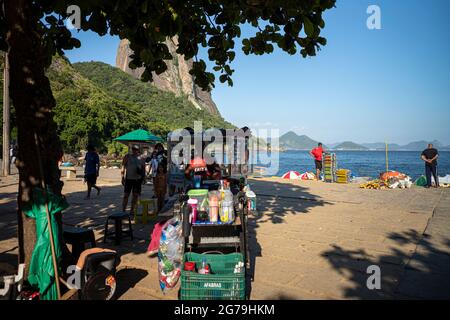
{"x": 312, "y": 240}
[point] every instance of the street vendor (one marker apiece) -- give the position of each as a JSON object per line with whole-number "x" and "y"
{"x": 198, "y": 167}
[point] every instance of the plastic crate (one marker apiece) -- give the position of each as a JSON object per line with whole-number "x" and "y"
{"x": 221, "y": 284}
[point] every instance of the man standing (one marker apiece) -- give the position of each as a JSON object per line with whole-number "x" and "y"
{"x": 317, "y": 154}
{"x": 91, "y": 170}
{"x": 430, "y": 156}
{"x": 133, "y": 172}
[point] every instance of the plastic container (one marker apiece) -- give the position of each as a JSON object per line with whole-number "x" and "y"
{"x": 223, "y": 283}
{"x": 228, "y": 195}
{"x": 189, "y": 266}
{"x": 251, "y": 200}
{"x": 226, "y": 212}
{"x": 213, "y": 209}
{"x": 213, "y": 201}
{"x": 202, "y": 197}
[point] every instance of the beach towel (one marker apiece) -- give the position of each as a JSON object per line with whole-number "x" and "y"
{"x": 155, "y": 238}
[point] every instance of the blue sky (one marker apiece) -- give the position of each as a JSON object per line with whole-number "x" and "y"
{"x": 365, "y": 85}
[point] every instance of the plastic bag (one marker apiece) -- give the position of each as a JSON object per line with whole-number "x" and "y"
{"x": 170, "y": 254}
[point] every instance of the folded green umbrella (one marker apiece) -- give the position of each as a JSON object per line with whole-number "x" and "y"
{"x": 41, "y": 273}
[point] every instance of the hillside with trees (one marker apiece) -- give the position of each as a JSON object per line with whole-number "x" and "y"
{"x": 96, "y": 102}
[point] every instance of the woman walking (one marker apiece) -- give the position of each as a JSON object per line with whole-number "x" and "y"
{"x": 91, "y": 170}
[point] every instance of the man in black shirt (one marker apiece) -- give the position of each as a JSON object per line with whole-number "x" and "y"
{"x": 430, "y": 156}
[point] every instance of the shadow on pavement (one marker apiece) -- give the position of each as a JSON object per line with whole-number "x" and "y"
{"x": 127, "y": 278}
{"x": 423, "y": 275}
{"x": 276, "y": 200}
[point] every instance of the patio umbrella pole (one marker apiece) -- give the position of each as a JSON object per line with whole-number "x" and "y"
{"x": 49, "y": 224}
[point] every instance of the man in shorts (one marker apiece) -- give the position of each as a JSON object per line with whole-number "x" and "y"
{"x": 317, "y": 154}
{"x": 91, "y": 170}
{"x": 133, "y": 173}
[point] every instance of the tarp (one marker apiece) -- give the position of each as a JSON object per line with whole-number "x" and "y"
{"x": 421, "y": 182}
{"x": 41, "y": 273}
{"x": 445, "y": 179}
{"x": 139, "y": 135}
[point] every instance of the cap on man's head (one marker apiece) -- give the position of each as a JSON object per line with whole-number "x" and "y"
{"x": 135, "y": 147}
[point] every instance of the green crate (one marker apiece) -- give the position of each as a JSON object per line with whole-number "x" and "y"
{"x": 221, "y": 284}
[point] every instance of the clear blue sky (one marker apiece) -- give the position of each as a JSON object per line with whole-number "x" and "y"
{"x": 365, "y": 85}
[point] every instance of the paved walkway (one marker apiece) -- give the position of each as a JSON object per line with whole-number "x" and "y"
{"x": 311, "y": 241}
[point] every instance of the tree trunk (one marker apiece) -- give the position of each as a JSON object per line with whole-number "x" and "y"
{"x": 33, "y": 102}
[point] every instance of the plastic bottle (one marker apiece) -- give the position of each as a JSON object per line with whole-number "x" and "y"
{"x": 193, "y": 203}
{"x": 228, "y": 195}
{"x": 204, "y": 269}
{"x": 251, "y": 199}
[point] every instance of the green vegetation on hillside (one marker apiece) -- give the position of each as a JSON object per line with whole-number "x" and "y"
{"x": 96, "y": 102}
{"x": 161, "y": 111}
{"x": 86, "y": 114}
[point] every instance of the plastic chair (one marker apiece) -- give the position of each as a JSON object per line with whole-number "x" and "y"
{"x": 78, "y": 238}
{"x": 146, "y": 205}
{"x": 118, "y": 233}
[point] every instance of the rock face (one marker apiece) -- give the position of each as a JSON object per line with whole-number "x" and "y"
{"x": 176, "y": 79}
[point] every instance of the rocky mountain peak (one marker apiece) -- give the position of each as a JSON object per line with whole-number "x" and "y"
{"x": 175, "y": 79}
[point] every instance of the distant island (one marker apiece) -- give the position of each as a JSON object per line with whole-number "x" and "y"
{"x": 291, "y": 141}
{"x": 349, "y": 145}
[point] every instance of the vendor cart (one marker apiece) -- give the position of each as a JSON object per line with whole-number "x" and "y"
{"x": 221, "y": 246}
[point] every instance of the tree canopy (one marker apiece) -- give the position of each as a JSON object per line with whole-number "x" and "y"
{"x": 292, "y": 25}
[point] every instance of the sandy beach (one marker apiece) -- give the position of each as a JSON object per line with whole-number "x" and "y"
{"x": 311, "y": 240}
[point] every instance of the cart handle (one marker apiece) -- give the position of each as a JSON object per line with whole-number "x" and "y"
{"x": 212, "y": 251}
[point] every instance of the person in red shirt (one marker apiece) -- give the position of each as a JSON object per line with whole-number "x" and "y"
{"x": 317, "y": 154}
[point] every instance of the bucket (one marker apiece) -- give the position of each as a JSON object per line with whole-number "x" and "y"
{"x": 189, "y": 266}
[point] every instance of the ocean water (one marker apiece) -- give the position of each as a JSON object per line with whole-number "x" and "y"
{"x": 366, "y": 163}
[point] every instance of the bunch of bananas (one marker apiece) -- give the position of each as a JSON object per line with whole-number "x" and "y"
{"x": 374, "y": 184}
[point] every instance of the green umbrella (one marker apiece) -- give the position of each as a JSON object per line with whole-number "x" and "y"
{"x": 139, "y": 135}
{"x": 41, "y": 272}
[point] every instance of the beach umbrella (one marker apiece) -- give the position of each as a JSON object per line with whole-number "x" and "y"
{"x": 291, "y": 175}
{"x": 139, "y": 135}
{"x": 307, "y": 176}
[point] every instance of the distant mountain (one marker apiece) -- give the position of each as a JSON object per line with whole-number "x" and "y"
{"x": 412, "y": 146}
{"x": 291, "y": 141}
{"x": 332, "y": 145}
{"x": 348, "y": 145}
{"x": 419, "y": 145}
{"x": 381, "y": 146}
